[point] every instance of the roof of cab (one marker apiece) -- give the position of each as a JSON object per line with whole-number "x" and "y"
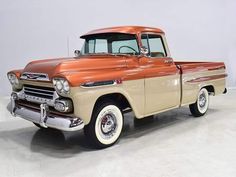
{"x": 124, "y": 29}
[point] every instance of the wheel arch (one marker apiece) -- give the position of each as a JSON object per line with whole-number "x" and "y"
{"x": 210, "y": 89}
{"x": 117, "y": 97}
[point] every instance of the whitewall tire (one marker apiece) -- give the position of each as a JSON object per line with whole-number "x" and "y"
{"x": 200, "y": 107}
{"x": 106, "y": 125}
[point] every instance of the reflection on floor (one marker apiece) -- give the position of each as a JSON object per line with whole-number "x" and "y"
{"x": 171, "y": 144}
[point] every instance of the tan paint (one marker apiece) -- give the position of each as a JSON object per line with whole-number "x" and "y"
{"x": 157, "y": 96}
{"x": 191, "y": 89}
{"x": 84, "y": 99}
{"x": 162, "y": 93}
{"x": 146, "y": 96}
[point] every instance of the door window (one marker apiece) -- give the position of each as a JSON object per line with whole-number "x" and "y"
{"x": 154, "y": 44}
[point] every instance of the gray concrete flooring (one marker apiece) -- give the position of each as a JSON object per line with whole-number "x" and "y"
{"x": 173, "y": 144}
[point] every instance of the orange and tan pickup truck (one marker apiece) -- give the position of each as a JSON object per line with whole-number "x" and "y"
{"x": 118, "y": 69}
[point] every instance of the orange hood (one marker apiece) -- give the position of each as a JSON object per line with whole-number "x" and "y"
{"x": 56, "y": 67}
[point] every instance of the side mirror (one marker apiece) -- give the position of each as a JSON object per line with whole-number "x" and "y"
{"x": 144, "y": 51}
{"x": 77, "y": 53}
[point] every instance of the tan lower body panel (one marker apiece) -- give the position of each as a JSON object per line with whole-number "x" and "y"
{"x": 162, "y": 93}
{"x": 84, "y": 99}
{"x": 146, "y": 96}
{"x": 191, "y": 89}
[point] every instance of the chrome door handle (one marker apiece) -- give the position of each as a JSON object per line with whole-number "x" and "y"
{"x": 168, "y": 61}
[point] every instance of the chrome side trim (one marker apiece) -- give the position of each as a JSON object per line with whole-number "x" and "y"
{"x": 101, "y": 83}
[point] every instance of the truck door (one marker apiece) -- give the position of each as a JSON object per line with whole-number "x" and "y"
{"x": 162, "y": 79}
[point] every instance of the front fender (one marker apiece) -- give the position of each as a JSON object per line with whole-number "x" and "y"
{"x": 84, "y": 99}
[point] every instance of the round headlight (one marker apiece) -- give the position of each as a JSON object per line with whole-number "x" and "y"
{"x": 61, "y": 85}
{"x": 66, "y": 86}
{"x": 13, "y": 79}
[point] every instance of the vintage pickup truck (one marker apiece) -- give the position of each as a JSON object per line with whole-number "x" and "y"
{"x": 118, "y": 69}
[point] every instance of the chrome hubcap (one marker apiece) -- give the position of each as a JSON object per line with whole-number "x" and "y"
{"x": 108, "y": 124}
{"x": 202, "y": 100}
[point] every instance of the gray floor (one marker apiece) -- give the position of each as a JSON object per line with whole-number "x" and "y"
{"x": 173, "y": 144}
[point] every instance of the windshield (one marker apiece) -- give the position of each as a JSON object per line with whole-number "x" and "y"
{"x": 110, "y": 43}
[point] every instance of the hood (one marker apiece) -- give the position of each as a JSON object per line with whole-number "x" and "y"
{"x": 54, "y": 67}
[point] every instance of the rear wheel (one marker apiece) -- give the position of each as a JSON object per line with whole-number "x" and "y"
{"x": 200, "y": 107}
{"x": 105, "y": 126}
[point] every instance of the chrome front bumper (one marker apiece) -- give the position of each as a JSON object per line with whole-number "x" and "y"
{"x": 44, "y": 119}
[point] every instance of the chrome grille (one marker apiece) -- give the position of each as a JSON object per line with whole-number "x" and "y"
{"x": 37, "y": 91}
{"x": 35, "y": 76}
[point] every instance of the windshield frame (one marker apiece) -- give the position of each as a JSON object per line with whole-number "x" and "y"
{"x": 93, "y": 36}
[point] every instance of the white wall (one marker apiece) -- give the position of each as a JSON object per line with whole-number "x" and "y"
{"x": 196, "y": 30}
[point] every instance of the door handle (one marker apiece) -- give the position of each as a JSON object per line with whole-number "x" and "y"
{"x": 168, "y": 61}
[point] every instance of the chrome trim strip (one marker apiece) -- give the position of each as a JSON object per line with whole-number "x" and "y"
{"x": 39, "y": 93}
{"x": 43, "y": 90}
{"x": 98, "y": 84}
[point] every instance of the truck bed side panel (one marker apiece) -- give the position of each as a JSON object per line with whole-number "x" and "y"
{"x": 196, "y": 75}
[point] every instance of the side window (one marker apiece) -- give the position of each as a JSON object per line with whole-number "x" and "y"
{"x": 154, "y": 44}
{"x": 97, "y": 46}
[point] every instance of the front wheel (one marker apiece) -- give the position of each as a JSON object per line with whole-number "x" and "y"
{"x": 105, "y": 126}
{"x": 200, "y": 107}
{"x": 39, "y": 126}
{"x": 43, "y": 128}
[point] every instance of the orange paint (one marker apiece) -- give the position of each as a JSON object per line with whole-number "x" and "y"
{"x": 124, "y": 29}
{"x": 83, "y": 69}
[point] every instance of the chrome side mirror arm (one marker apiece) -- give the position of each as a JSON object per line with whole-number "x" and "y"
{"x": 144, "y": 51}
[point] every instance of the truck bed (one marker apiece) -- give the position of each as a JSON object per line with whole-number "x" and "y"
{"x": 196, "y": 75}
{"x": 199, "y": 66}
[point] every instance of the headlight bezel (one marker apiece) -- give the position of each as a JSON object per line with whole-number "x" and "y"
{"x": 13, "y": 79}
{"x": 61, "y": 85}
